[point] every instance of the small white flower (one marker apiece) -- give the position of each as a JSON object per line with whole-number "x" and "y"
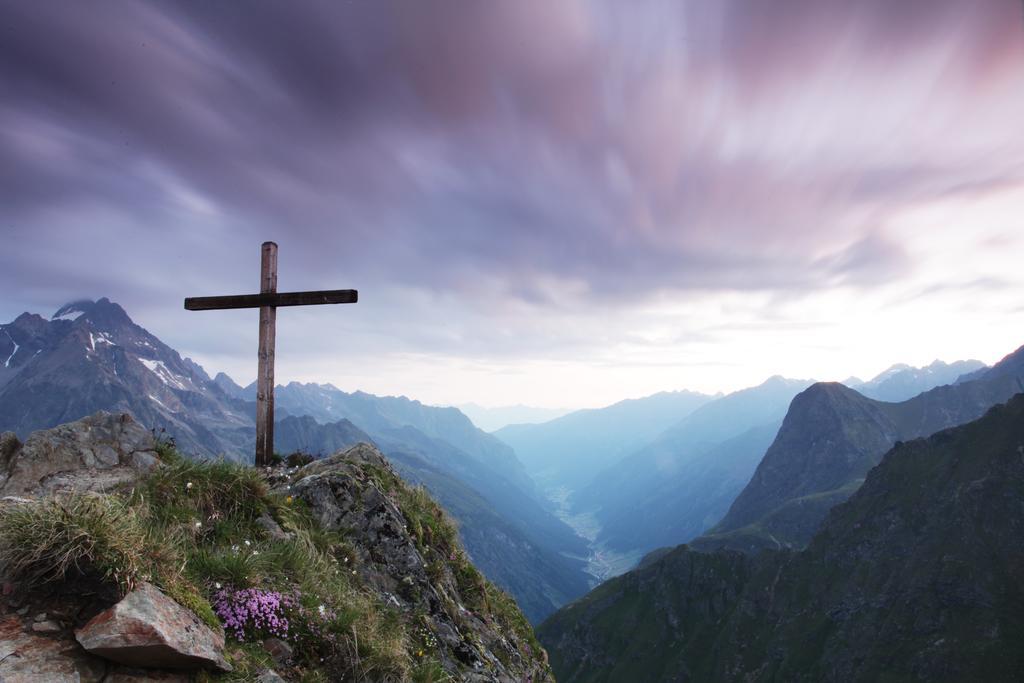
{"x": 247, "y": 543}
{"x": 199, "y": 525}
{"x": 217, "y": 585}
{"x": 321, "y": 609}
{"x": 255, "y": 552}
{"x": 353, "y": 571}
{"x": 188, "y": 485}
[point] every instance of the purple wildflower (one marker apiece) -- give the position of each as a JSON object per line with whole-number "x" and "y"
{"x": 254, "y": 612}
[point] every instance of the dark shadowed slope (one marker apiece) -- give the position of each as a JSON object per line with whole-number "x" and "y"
{"x": 919, "y": 576}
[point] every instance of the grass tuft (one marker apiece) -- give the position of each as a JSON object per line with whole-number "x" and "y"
{"x": 74, "y": 536}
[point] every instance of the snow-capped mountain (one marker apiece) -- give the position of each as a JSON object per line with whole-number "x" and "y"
{"x": 90, "y": 356}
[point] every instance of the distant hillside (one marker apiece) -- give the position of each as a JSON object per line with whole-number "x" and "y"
{"x": 829, "y": 440}
{"x": 377, "y": 414}
{"x": 571, "y": 450}
{"x": 683, "y": 481}
{"x": 919, "y": 576}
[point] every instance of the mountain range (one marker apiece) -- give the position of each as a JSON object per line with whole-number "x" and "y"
{"x": 831, "y": 437}
{"x": 758, "y": 468}
{"x": 493, "y": 419}
{"x": 570, "y": 450}
{"x": 917, "y": 576}
{"x": 663, "y": 470}
{"x": 683, "y": 481}
{"x": 902, "y": 381}
{"x": 91, "y": 356}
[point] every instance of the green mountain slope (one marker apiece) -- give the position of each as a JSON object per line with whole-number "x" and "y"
{"x": 919, "y": 576}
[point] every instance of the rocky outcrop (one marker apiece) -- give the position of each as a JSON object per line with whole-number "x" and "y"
{"x": 358, "y": 492}
{"x": 97, "y": 453}
{"x": 149, "y": 629}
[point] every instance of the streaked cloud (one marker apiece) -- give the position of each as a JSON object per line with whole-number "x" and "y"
{"x": 574, "y": 186}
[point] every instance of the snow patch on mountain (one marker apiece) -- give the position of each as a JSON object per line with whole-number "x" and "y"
{"x": 159, "y": 402}
{"x": 73, "y": 310}
{"x": 158, "y": 368}
{"x": 100, "y": 338}
{"x": 7, "y": 363}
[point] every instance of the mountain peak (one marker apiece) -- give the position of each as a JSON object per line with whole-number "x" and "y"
{"x": 73, "y": 310}
{"x": 102, "y": 313}
{"x": 894, "y": 369}
{"x": 830, "y": 436}
{"x": 829, "y": 390}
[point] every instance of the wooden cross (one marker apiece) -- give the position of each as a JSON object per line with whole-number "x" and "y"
{"x": 268, "y": 301}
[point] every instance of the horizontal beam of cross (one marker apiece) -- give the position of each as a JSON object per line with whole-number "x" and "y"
{"x": 277, "y": 299}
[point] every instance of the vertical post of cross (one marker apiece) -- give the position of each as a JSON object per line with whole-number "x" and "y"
{"x": 265, "y": 370}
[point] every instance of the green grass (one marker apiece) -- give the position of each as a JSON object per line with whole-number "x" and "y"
{"x": 79, "y": 535}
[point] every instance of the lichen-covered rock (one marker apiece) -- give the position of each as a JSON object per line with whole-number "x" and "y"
{"x": 97, "y": 453}
{"x": 149, "y": 629}
{"x": 357, "y": 491}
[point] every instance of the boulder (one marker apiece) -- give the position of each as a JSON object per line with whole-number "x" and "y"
{"x": 97, "y": 453}
{"x": 149, "y": 629}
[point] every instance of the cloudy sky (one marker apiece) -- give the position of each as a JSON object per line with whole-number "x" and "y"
{"x": 555, "y": 203}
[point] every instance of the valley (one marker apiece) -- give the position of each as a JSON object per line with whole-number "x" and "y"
{"x": 603, "y": 563}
